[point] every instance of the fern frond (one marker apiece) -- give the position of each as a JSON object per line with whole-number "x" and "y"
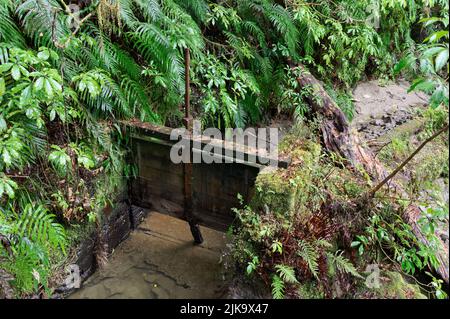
{"x": 309, "y": 254}
{"x": 196, "y": 8}
{"x": 155, "y": 46}
{"x": 42, "y": 21}
{"x": 29, "y": 266}
{"x": 36, "y": 224}
{"x": 343, "y": 264}
{"x": 277, "y": 287}
{"x": 126, "y": 12}
{"x": 283, "y": 22}
{"x": 9, "y": 32}
{"x": 253, "y": 29}
{"x": 279, "y": 17}
{"x": 286, "y": 273}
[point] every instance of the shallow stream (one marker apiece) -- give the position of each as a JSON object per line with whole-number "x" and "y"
{"x": 159, "y": 261}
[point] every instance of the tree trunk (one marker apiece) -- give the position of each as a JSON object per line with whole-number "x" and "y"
{"x": 338, "y": 138}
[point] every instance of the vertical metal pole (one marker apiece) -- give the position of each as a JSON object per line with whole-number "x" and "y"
{"x": 187, "y": 94}
{"x": 187, "y": 168}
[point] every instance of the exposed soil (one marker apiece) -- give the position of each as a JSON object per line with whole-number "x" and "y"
{"x": 385, "y": 112}
{"x": 379, "y": 109}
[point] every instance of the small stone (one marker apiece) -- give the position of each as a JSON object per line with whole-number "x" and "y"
{"x": 387, "y": 118}
{"x": 379, "y": 122}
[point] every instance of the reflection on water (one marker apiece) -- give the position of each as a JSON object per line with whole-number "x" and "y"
{"x": 159, "y": 260}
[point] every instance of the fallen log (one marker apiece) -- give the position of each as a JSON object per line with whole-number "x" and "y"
{"x": 340, "y": 139}
{"x": 335, "y": 128}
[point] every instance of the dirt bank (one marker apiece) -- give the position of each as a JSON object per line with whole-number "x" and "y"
{"x": 379, "y": 109}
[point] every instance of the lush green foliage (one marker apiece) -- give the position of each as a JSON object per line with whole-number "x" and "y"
{"x": 67, "y": 77}
{"x": 35, "y": 238}
{"x": 430, "y": 64}
{"x": 49, "y": 140}
{"x": 284, "y": 236}
{"x": 238, "y": 66}
{"x": 387, "y": 234}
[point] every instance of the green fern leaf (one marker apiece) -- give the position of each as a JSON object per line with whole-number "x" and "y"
{"x": 277, "y": 287}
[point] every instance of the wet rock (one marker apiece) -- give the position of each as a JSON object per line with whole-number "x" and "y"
{"x": 6, "y": 291}
{"x": 394, "y": 285}
{"x": 117, "y": 226}
{"x": 242, "y": 288}
{"x": 377, "y": 122}
{"x": 386, "y": 118}
{"x": 137, "y": 215}
{"x": 85, "y": 256}
{"x": 85, "y": 260}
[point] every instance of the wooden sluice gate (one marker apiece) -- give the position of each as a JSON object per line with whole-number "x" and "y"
{"x": 211, "y": 189}
{"x": 196, "y": 191}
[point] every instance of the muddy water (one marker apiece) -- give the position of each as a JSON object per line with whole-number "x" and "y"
{"x": 159, "y": 261}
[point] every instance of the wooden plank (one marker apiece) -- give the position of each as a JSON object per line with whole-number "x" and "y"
{"x": 151, "y": 165}
{"x": 170, "y": 193}
{"x": 163, "y": 133}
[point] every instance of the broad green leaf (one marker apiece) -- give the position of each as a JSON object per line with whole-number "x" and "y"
{"x": 436, "y": 36}
{"x": 438, "y": 97}
{"x": 52, "y": 115}
{"x": 3, "y": 125}
{"x": 441, "y": 60}
{"x": 2, "y": 86}
{"x": 24, "y": 71}
{"x": 403, "y": 63}
{"x": 15, "y": 72}
{"x": 421, "y": 85}
{"x": 361, "y": 250}
{"x": 428, "y": 53}
{"x": 6, "y": 157}
{"x": 9, "y": 190}
{"x": 85, "y": 161}
{"x": 38, "y": 85}
{"x": 249, "y": 269}
{"x": 5, "y": 187}
{"x": 56, "y": 86}
{"x": 26, "y": 95}
{"x": 54, "y": 55}
{"x": 429, "y": 21}
{"x": 48, "y": 88}
{"x": 355, "y": 244}
{"x": 5, "y": 67}
{"x": 44, "y": 55}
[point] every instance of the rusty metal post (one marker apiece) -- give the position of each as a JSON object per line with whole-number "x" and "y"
{"x": 187, "y": 168}
{"x": 187, "y": 94}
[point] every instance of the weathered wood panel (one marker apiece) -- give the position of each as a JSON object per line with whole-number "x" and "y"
{"x": 158, "y": 178}
{"x": 160, "y": 182}
{"x": 215, "y": 186}
{"x": 215, "y": 190}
